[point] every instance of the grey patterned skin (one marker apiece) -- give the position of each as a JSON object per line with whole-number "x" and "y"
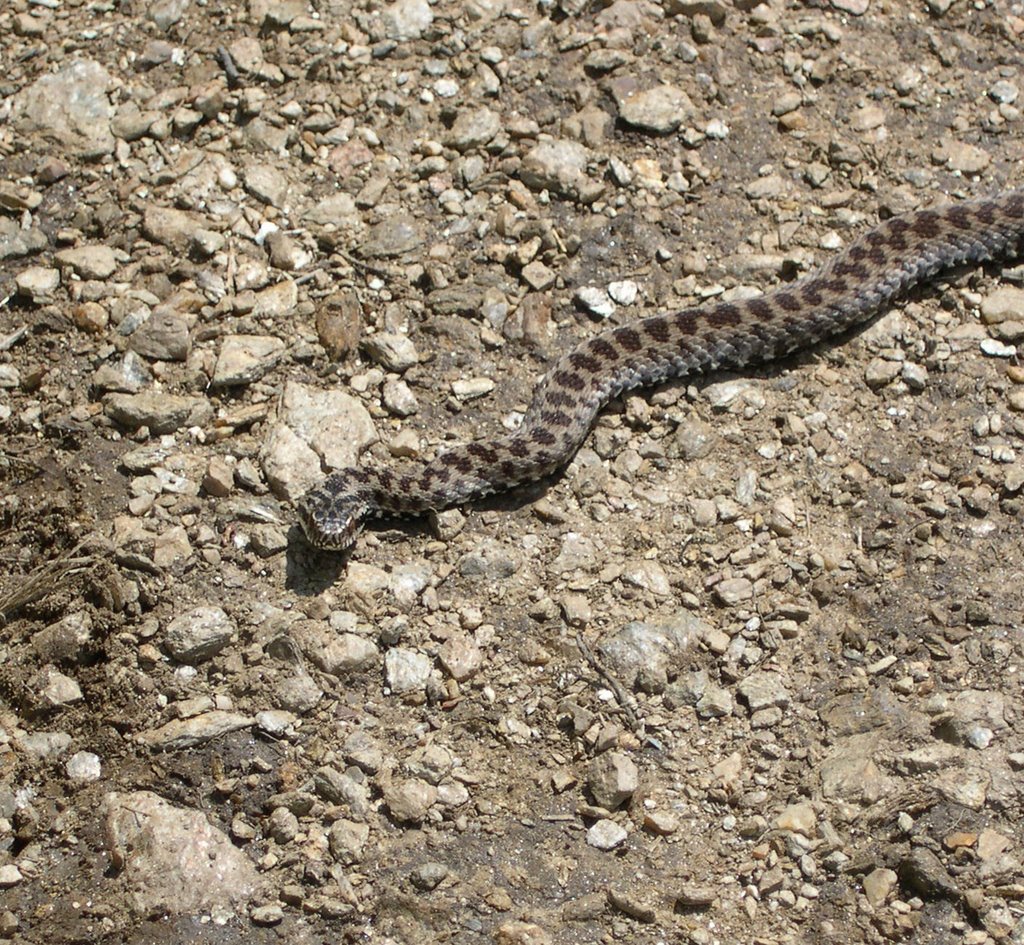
{"x": 851, "y": 288}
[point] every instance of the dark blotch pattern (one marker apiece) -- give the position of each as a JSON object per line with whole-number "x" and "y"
{"x": 854, "y": 270}
{"x": 559, "y": 398}
{"x": 569, "y": 379}
{"x": 584, "y": 362}
{"x": 629, "y": 338}
{"x": 869, "y": 275}
{"x": 789, "y": 302}
{"x": 657, "y": 329}
{"x": 555, "y": 418}
{"x": 725, "y": 315}
{"x": 811, "y": 293}
{"x": 927, "y": 224}
{"x": 761, "y": 309}
{"x": 483, "y": 452}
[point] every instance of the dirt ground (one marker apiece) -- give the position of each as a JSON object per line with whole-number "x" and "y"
{"x": 748, "y": 671}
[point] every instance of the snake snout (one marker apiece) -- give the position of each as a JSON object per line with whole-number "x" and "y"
{"x": 331, "y": 514}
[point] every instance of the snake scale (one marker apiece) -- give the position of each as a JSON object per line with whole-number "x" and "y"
{"x": 853, "y": 286}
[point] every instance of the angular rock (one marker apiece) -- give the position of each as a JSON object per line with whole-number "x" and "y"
{"x": 174, "y": 861}
{"x": 406, "y": 670}
{"x": 335, "y": 424}
{"x": 161, "y": 413}
{"x": 394, "y": 236}
{"x": 170, "y": 227}
{"x": 660, "y": 110}
{"x": 69, "y": 109}
{"x": 89, "y": 262}
{"x": 392, "y": 351}
{"x": 409, "y": 800}
{"x": 877, "y": 886}
{"x": 347, "y": 841}
{"x": 558, "y": 165}
{"x": 606, "y": 835}
{"x": 187, "y": 733}
{"x": 473, "y": 129}
{"x": 407, "y": 19}
{"x": 164, "y": 336}
{"x": 198, "y": 635}
{"x": 763, "y": 689}
{"x": 613, "y": 779}
{"x": 648, "y": 648}
{"x": 349, "y": 653}
{"x": 245, "y": 358}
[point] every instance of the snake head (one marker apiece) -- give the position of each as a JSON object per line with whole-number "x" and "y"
{"x": 332, "y": 513}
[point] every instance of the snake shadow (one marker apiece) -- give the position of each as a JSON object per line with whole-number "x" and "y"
{"x": 310, "y": 570}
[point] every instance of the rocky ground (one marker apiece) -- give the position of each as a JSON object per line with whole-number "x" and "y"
{"x": 749, "y": 671}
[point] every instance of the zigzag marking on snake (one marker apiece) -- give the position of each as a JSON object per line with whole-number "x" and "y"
{"x": 850, "y": 289}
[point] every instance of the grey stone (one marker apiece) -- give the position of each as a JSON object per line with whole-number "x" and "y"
{"x": 161, "y": 413}
{"x": 642, "y": 646}
{"x": 399, "y": 399}
{"x": 922, "y": 872}
{"x": 43, "y": 746}
{"x": 174, "y": 861}
{"x": 391, "y": 237}
{"x": 188, "y": 733}
{"x": 198, "y": 635}
{"x": 613, "y": 779}
{"x": 1004, "y": 304}
{"x": 734, "y": 591}
{"x": 170, "y": 227}
{"x": 51, "y": 689}
{"x": 409, "y": 800}
{"x": 286, "y": 253}
{"x": 406, "y": 670}
{"x": 407, "y": 19}
{"x": 428, "y": 876}
{"x": 391, "y": 350}
{"x": 267, "y": 184}
{"x": 16, "y": 242}
{"x": 714, "y": 702}
{"x": 69, "y": 109}
{"x": 89, "y": 262}
{"x": 316, "y": 427}
{"x": 38, "y": 283}
{"x": 84, "y": 767}
{"x": 878, "y": 884}
{"x": 245, "y": 358}
{"x": 490, "y": 559}
{"x": 164, "y": 336}
{"x": 763, "y": 689}
{"x": 595, "y": 300}
{"x": 347, "y": 841}
{"x": 348, "y": 653}
{"x": 660, "y": 110}
{"x": 166, "y": 13}
{"x": 606, "y": 835}
{"x": 473, "y": 128}
{"x": 558, "y": 165}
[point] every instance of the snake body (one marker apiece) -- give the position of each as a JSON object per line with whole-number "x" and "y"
{"x": 853, "y": 286}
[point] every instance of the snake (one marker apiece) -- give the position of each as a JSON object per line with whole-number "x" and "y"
{"x": 854, "y": 286}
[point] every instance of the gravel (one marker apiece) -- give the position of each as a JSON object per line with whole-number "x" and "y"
{"x": 745, "y": 672}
